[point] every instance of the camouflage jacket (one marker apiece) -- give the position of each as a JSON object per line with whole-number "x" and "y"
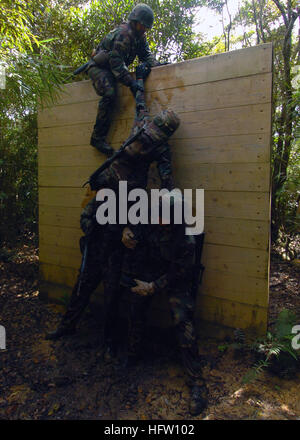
{"x": 123, "y": 45}
{"x": 162, "y": 255}
{"x": 134, "y": 168}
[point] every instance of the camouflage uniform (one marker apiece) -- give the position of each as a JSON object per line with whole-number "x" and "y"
{"x": 134, "y": 169}
{"x": 105, "y": 241}
{"x": 166, "y": 256}
{"x": 103, "y": 263}
{"x": 120, "y": 47}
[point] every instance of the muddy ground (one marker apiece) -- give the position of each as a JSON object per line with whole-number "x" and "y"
{"x": 70, "y": 379}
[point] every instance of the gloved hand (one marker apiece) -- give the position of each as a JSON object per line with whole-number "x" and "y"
{"x": 142, "y": 71}
{"x": 128, "y": 238}
{"x": 134, "y": 87}
{"x": 143, "y": 288}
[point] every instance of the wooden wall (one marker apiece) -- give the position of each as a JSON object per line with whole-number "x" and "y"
{"x": 222, "y": 145}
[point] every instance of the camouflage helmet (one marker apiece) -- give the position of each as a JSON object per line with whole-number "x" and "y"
{"x": 143, "y": 14}
{"x": 163, "y": 125}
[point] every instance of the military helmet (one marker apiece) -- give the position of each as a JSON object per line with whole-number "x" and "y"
{"x": 143, "y": 14}
{"x": 163, "y": 125}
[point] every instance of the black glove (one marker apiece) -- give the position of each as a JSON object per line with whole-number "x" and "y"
{"x": 134, "y": 87}
{"x": 142, "y": 71}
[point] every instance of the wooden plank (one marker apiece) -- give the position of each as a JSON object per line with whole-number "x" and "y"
{"x": 227, "y": 259}
{"x": 242, "y": 205}
{"x": 59, "y": 236}
{"x": 61, "y": 230}
{"x": 223, "y": 149}
{"x": 58, "y": 274}
{"x": 237, "y": 260}
{"x": 233, "y": 64}
{"x": 237, "y": 232}
{"x": 59, "y": 216}
{"x": 227, "y": 177}
{"x": 244, "y": 290}
{"x": 240, "y": 288}
{"x": 60, "y": 256}
{"x": 232, "y": 314}
{"x": 249, "y": 148}
{"x": 224, "y": 94}
{"x": 68, "y": 197}
{"x": 225, "y": 204}
{"x": 243, "y": 120}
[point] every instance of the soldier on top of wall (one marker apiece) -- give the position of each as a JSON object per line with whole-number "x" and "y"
{"x": 109, "y": 64}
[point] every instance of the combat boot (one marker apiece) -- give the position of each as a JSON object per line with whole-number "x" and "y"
{"x": 60, "y": 332}
{"x": 198, "y": 399}
{"x": 102, "y": 146}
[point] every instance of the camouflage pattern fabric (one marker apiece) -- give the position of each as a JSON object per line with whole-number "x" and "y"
{"x": 122, "y": 45}
{"x": 105, "y": 85}
{"x": 134, "y": 168}
{"x": 104, "y": 258}
{"x": 166, "y": 256}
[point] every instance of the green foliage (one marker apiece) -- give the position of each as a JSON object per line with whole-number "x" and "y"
{"x": 32, "y": 74}
{"x": 223, "y": 348}
{"x": 275, "y": 350}
{"x": 41, "y": 44}
{"x": 275, "y": 21}
{"x": 43, "y": 41}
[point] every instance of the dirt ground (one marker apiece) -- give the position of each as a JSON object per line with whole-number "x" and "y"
{"x": 70, "y": 379}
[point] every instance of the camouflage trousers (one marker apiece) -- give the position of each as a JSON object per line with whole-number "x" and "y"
{"x": 105, "y": 85}
{"x": 97, "y": 269}
{"x": 182, "y": 310}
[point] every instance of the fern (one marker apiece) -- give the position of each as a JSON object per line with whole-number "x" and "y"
{"x": 273, "y": 345}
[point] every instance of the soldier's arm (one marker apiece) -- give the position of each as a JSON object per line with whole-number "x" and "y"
{"x": 145, "y": 55}
{"x": 88, "y": 216}
{"x": 117, "y": 55}
{"x": 180, "y": 268}
{"x": 164, "y": 165}
{"x": 141, "y": 111}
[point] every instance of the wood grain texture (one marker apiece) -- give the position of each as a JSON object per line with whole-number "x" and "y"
{"x": 222, "y": 145}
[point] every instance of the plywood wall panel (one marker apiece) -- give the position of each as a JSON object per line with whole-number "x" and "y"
{"x": 222, "y": 146}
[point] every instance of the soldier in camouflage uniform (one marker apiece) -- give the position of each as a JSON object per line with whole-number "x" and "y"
{"x": 161, "y": 258}
{"x": 105, "y": 248}
{"x": 150, "y": 146}
{"x": 103, "y": 264}
{"x": 109, "y": 65}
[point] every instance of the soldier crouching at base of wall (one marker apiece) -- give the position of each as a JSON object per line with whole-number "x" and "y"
{"x": 161, "y": 258}
{"x": 109, "y": 64}
{"x": 102, "y": 244}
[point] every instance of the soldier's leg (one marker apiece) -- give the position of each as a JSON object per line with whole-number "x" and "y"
{"x": 86, "y": 283}
{"x": 182, "y": 309}
{"x": 105, "y": 85}
{"x": 138, "y": 306}
{"x": 111, "y": 283}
